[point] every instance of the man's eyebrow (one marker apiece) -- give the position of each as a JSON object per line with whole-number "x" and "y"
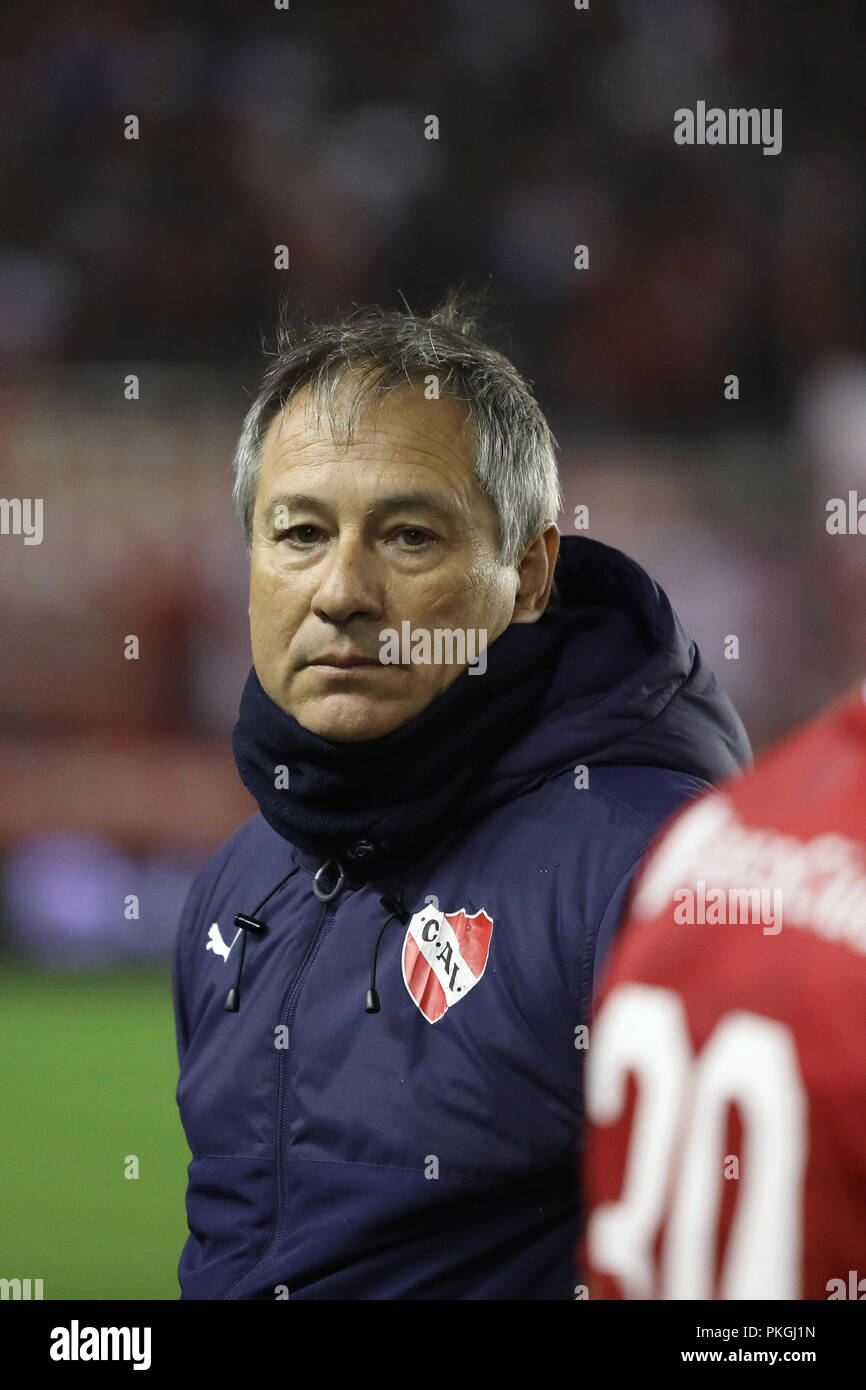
{"x": 404, "y": 501}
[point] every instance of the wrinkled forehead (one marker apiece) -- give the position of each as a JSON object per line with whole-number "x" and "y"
{"x": 396, "y": 421}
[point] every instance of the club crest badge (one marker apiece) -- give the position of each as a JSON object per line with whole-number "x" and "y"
{"x": 444, "y": 956}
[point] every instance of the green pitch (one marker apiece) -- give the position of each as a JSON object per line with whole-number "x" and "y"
{"x": 88, "y": 1075}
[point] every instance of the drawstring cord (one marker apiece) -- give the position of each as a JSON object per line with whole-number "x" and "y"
{"x": 393, "y": 905}
{"x": 246, "y": 924}
{"x": 341, "y": 879}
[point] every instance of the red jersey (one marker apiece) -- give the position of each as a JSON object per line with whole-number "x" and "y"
{"x": 726, "y": 1071}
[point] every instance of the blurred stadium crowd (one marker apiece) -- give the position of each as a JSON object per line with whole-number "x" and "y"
{"x": 304, "y": 127}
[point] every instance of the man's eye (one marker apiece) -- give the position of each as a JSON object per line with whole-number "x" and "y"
{"x": 305, "y": 534}
{"x": 424, "y": 537}
{"x": 291, "y": 531}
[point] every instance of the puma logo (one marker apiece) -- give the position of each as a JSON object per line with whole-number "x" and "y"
{"x": 216, "y": 944}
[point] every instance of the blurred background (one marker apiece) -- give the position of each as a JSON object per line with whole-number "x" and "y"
{"x": 154, "y": 257}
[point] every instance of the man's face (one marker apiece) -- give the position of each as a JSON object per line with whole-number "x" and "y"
{"x": 344, "y": 548}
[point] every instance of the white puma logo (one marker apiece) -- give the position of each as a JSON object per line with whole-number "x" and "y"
{"x": 216, "y": 944}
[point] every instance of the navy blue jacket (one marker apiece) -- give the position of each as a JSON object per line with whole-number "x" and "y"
{"x": 430, "y": 1150}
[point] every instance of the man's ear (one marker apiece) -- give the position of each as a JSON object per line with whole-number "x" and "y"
{"x": 535, "y": 570}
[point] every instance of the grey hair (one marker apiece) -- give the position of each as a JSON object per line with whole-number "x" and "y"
{"x": 374, "y": 351}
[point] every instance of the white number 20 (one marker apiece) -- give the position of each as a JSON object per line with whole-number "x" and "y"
{"x": 674, "y": 1164}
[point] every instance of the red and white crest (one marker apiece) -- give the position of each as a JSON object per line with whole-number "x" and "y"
{"x": 444, "y": 956}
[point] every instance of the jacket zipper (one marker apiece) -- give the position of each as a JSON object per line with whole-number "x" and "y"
{"x": 286, "y": 1016}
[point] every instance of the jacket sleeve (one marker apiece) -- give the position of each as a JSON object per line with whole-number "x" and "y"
{"x": 612, "y": 920}
{"x": 180, "y": 967}
{"x": 663, "y": 801}
{"x": 181, "y": 1025}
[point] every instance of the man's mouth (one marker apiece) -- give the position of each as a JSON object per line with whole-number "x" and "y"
{"x": 344, "y": 663}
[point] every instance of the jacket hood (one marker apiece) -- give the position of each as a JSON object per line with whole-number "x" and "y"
{"x": 631, "y": 686}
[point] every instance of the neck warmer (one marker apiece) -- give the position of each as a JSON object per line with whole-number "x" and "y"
{"x": 377, "y": 801}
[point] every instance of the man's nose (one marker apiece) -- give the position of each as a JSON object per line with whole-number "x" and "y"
{"x": 349, "y": 580}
